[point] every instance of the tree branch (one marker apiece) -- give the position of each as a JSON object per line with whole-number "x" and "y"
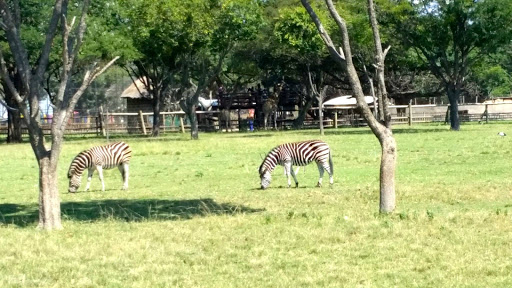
{"x": 88, "y": 79}
{"x": 12, "y": 34}
{"x": 3, "y": 103}
{"x": 81, "y": 29}
{"x": 323, "y": 33}
{"x": 7, "y": 80}
{"x": 59, "y": 9}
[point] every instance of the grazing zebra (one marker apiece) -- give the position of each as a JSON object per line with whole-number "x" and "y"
{"x": 99, "y": 158}
{"x": 299, "y": 154}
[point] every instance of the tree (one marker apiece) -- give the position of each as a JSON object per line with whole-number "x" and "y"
{"x": 320, "y": 96}
{"x": 382, "y": 130}
{"x": 306, "y": 58}
{"x": 235, "y": 22}
{"x": 27, "y": 96}
{"x": 31, "y": 32}
{"x": 13, "y": 115}
{"x": 183, "y": 45}
{"x": 450, "y": 36}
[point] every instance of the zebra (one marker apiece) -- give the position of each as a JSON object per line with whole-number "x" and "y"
{"x": 99, "y": 158}
{"x": 299, "y": 154}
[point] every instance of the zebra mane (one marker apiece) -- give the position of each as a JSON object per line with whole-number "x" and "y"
{"x": 72, "y": 168}
{"x": 267, "y": 161}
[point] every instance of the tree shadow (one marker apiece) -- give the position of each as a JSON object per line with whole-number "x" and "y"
{"x": 126, "y": 137}
{"x": 367, "y": 131}
{"x": 128, "y": 210}
{"x": 247, "y": 135}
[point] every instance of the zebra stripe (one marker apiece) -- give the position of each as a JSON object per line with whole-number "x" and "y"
{"x": 298, "y": 154}
{"x": 99, "y": 158}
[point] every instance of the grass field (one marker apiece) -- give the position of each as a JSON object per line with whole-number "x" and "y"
{"x": 193, "y": 216}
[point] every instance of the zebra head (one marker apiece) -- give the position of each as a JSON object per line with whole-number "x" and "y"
{"x": 74, "y": 181}
{"x": 75, "y": 173}
{"x": 265, "y": 177}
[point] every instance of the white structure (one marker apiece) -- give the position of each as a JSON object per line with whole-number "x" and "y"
{"x": 208, "y": 103}
{"x": 346, "y": 102}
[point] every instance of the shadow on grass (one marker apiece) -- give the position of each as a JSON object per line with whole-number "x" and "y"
{"x": 128, "y": 137}
{"x": 125, "y": 210}
{"x": 250, "y": 135}
{"x": 367, "y": 131}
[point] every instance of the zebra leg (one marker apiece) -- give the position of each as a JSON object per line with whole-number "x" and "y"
{"x": 89, "y": 178}
{"x": 321, "y": 171}
{"x": 124, "y": 168}
{"x": 287, "y": 168}
{"x": 294, "y": 176}
{"x": 328, "y": 169}
{"x": 100, "y": 173}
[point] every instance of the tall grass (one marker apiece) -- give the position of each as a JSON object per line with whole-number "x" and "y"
{"x": 193, "y": 216}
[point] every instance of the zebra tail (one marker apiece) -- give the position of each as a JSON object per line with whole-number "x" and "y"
{"x": 330, "y": 163}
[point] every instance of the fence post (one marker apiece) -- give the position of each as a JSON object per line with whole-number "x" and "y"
{"x": 335, "y": 118}
{"x": 182, "y": 125}
{"x": 142, "y": 122}
{"x": 410, "y": 113}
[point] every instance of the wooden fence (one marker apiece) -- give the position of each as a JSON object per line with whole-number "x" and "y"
{"x": 141, "y": 123}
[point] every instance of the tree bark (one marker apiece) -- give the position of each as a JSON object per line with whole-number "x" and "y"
{"x": 13, "y": 112}
{"x": 299, "y": 121}
{"x": 14, "y": 127}
{"x": 194, "y": 129}
{"x": 190, "y": 110}
{"x": 49, "y": 200}
{"x": 453, "y": 97}
{"x": 387, "y": 172}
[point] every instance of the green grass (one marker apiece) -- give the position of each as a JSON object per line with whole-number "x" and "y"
{"x": 193, "y": 216}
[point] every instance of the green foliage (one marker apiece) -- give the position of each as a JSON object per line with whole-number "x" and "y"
{"x": 237, "y": 21}
{"x": 161, "y": 30}
{"x": 495, "y": 80}
{"x": 452, "y": 33}
{"x": 296, "y": 30}
{"x": 106, "y": 33}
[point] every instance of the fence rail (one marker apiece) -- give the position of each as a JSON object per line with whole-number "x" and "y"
{"x": 141, "y": 123}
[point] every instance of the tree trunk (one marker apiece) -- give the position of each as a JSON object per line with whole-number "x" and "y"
{"x": 387, "y": 172}
{"x": 191, "y": 114}
{"x": 321, "y": 113}
{"x": 13, "y": 120}
{"x": 453, "y": 97}
{"x": 156, "y": 114}
{"x": 299, "y": 121}
{"x": 49, "y": 200}
{"x": 14, "y": 127}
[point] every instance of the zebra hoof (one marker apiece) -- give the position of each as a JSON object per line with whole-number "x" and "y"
{"x": 296, "y": 185}
{"x": 319, "y": 184}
